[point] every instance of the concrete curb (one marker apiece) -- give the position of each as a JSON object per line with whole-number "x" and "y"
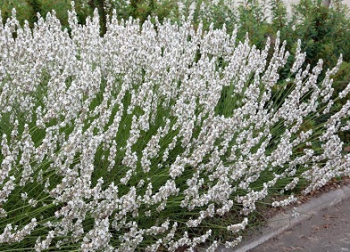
{"x": 284, "y": 221}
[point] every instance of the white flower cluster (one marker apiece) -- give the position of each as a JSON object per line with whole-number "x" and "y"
{"x": 12, "y": 234}
{"x": 291, "y": 199}
{"x": 122, "y": 131}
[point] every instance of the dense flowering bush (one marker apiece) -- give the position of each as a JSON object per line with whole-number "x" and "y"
{"x": 144, "y": 138}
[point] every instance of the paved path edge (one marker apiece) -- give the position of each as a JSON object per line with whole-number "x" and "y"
{"x": 290, "y": 218}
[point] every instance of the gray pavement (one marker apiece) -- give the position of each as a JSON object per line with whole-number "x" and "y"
{"x": 326, "y": 231}
{"x": 320, "y": 225}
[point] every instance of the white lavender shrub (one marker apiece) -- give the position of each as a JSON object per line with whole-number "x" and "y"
{"x": 149, "y": 138}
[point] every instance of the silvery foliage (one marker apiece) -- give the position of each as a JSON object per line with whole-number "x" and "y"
{"x": 158, "y": 67}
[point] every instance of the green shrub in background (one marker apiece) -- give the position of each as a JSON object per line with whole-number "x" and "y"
{"x": 23, "y": 9}
{"x": 325, "y": 32}
{"x": 28, "y": 9}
